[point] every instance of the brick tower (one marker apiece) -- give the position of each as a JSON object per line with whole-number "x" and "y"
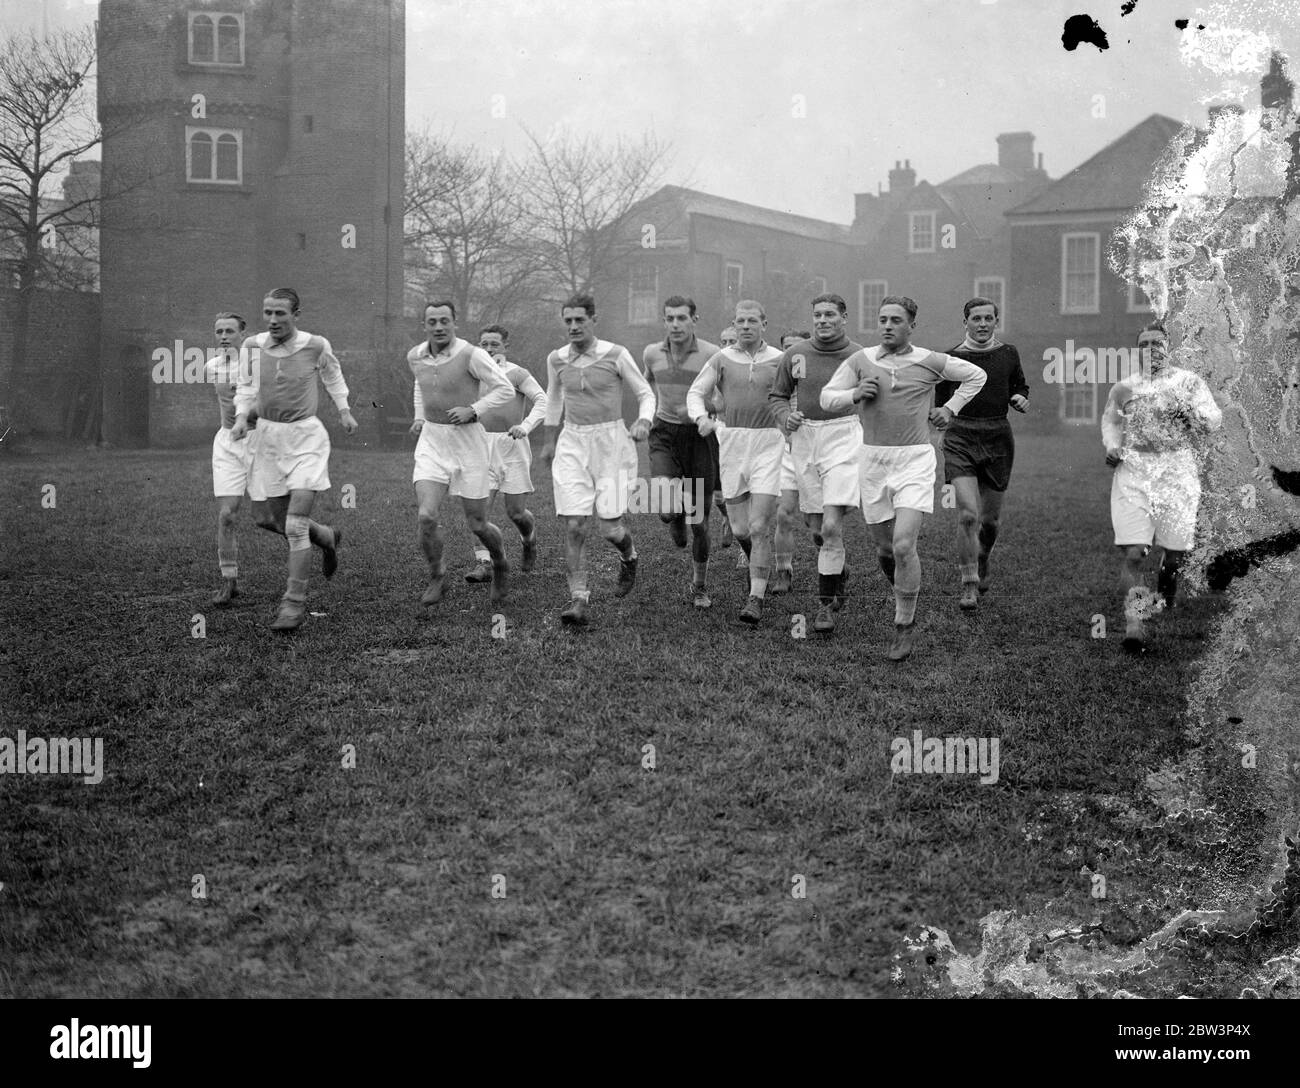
{"x": 248, "y": 145}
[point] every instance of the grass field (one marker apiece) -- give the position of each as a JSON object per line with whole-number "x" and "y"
{"x": 523, "y": 757}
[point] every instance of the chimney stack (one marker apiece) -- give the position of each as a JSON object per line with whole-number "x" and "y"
{"x": 1016, "y": 151}
{"x": 902, "y": 178}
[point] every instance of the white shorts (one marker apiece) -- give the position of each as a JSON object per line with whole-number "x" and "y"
{"x": 289, "y": 457}
{"x": 595, "y": 466}
{"x": 510, "y": 464}
{"x": 1154, "y": 497}
{"x": 232, "y": 462}
{"x": 896, "y": 477}
{"x": 750, "y": 460}
{"x": 789, "y": 481}
{"x": 827, "y": 456}
{"x": 455, "y": 454}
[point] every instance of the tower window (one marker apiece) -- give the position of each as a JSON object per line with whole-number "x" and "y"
{"x": 214, "y": 155}
{"x": 217, "y": 38}
{"x": 307, "y": 123}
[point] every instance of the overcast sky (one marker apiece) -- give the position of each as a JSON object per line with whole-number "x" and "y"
{"x": 933, "y": 81}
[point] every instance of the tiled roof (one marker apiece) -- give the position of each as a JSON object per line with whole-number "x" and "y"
{"x": 694, "y": 202}
{"x": 1114, "y": 178}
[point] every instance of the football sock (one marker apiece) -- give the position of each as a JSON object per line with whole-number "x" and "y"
{"x": 904, "y": 607}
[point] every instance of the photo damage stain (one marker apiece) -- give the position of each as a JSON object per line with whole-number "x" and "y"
{"x": 1083, "y": 28}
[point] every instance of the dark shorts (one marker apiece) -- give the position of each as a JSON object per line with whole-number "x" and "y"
{"x": 679, "y": 451}
{"x": 983, "y": 448}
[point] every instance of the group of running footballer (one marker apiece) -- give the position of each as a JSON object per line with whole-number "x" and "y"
{"x": 820, "y": 423}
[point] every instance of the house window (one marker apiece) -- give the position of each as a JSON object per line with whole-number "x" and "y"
{"x": 214, "y": 155}
{"x": 870, "y": 294}
{"x": 994, "y": 287}
{"x": 1138, "y": 303}
{"x": 1080, "y": 272}
{"x": 735, "y": 281}
{"x": 643, "y": 295}
{"x": 1079, "y": 402}
{"x": 818, "y": 284}
{"x": 216, "y": 38}
{"x": 920, "y": 232}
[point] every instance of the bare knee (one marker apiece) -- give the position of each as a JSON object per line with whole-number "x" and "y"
{"x": 428, "y": 520}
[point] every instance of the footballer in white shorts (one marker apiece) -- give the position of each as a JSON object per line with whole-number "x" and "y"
{"x": 457, "y": 455}
{"x": 510, "y": 464}
{"x": 827, "y": 458}
{"x": 789, "y": 479}
{"x": 232, "y": 462}
{"x": 750, "y": 460}
{"x": 1154, "y": 498}
{"x": 894, "y": 477}
{"x": 593, "y": 469}
{"x": 289, "y": 457}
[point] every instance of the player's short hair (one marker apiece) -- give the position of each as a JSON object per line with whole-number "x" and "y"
{"x": 679, "y": 300}
{"x": 836, "y": 300}
{"x": 752, "y": 304}
{"x": 978, "y": 300}
{"x": 230, "y": 315}
{"x": 900, "y": 300}
{"x": 579, "y": 301}
{"x": 1153, "y": 326}
{"x": 440, "y": 302}
{"x": 287, "y": 293}
{"x": 500, "y": 330}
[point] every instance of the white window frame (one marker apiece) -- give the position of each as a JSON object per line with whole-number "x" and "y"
{"x": 740, "y": 280}
{"x": 866, "y": 320}
{"x": 1066, "y": 238}
{"x": 1078, "y": 387}
{"x": 633, "y": 295}
{"x": 215, "y": 133}
{"x": 1001, "y": 300}
{"x": 912, "y": 218}
{"x": 216, "y": 17}
{"x": 819, "y": 285}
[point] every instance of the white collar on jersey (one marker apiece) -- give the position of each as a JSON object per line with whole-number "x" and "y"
{"x": 296, "y": 342}
{"x": 454, "y": 346}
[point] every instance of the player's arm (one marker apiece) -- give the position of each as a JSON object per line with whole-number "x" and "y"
{"x": 332, "y": 375}
{"x": 494, "y": 389}
{"x": 779, "y": 395}
{"x": 846, "y": 388}
{"x": 1112, "y": 424}
{"x": 645, "y": 395}
{"x": 700, "y": 392}
{"x": 1019, "y": 399}
{"x": 971, "y": 379}
{"x": 245, "y": 389}
{"x": 418, "y": 406}
{"x": 554, "y": 408}
{"x": 530, "y": 388}
{"x": 648, "y": 371}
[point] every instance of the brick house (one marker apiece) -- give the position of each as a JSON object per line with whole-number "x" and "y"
{"x": 718, "y": 251}
{"x": 941, "y": 244}
{"x": 1062, "y": 292}
{"x": 248, "y": 146}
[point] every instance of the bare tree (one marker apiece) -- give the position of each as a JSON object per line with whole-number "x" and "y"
{"x": 575, "y": 193}
{"x": 47, "y": 119}
{"x": 463, "y": 221}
